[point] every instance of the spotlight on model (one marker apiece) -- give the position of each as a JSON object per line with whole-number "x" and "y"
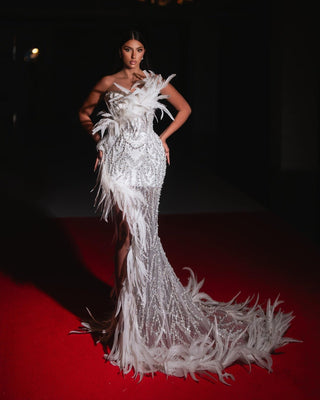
{"x": 32, "y": 54}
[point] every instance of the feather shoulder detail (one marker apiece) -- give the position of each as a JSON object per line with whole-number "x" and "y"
{"x": 148, "y": 91}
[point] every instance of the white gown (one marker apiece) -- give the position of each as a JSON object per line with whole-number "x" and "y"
{"x": 162, "y": 325}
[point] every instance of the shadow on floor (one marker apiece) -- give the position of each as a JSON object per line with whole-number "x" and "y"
{"x": 37, "y": 250}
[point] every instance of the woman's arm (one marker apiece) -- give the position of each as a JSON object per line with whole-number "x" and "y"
{"x": 90, "y": 103}
{"x": 184, "y": 110}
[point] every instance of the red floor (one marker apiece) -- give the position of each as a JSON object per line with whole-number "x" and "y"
{"x": 53, "y": 268}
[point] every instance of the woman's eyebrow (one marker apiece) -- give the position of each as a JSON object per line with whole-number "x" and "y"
{"x": 140, "y": 47}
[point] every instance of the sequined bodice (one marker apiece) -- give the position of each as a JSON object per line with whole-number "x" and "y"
{"x": 134, "y": 120}
{"x": 133, "y": 152}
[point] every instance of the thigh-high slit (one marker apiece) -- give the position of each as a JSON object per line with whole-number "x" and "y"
{"x": 123, "y": 239}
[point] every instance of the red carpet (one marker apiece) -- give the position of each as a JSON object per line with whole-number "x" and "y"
{"x": 53, "y": 268}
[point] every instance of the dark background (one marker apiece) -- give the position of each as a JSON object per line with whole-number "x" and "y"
{"x": 249, "y": 70}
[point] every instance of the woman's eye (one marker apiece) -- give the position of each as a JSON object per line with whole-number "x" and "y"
{"x": 139, "y": 50}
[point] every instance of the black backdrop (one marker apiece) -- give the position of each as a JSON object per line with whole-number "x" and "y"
{"x": 221, "y": 54}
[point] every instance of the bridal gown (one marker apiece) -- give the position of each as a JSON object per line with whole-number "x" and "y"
{"x": 162, "y": 325}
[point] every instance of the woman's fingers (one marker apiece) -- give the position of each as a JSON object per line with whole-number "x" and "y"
{"x": 96, "y": 164}
{"x": 98, "y": 160}
{"x": 167, "y": 151}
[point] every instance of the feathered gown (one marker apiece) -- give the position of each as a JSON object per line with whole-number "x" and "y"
{"x": 162, "y": 325}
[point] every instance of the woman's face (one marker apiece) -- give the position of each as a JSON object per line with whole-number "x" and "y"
{"x": 132, "y": 53}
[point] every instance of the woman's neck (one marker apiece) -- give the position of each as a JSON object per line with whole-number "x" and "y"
{"x": 129, "y": 73}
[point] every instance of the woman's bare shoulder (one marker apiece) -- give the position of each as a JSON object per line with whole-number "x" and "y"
{"x": 105, "y": 82}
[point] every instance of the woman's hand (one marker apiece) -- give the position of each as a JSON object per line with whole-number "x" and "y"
{"x": 98, "y": 160}
{"x": 166, "y": 149}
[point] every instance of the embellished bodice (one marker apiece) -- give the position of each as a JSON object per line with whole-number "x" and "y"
{"x": 135, "y": 107}
{"x": 133, "y": 152}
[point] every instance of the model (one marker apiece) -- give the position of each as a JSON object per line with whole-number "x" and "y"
{"x": 158, "y": 324}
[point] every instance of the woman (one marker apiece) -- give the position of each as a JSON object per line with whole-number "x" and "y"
{"x": 158, "y": 324}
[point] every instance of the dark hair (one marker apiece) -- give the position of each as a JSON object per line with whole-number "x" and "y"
{"x": 132, "y": 34}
